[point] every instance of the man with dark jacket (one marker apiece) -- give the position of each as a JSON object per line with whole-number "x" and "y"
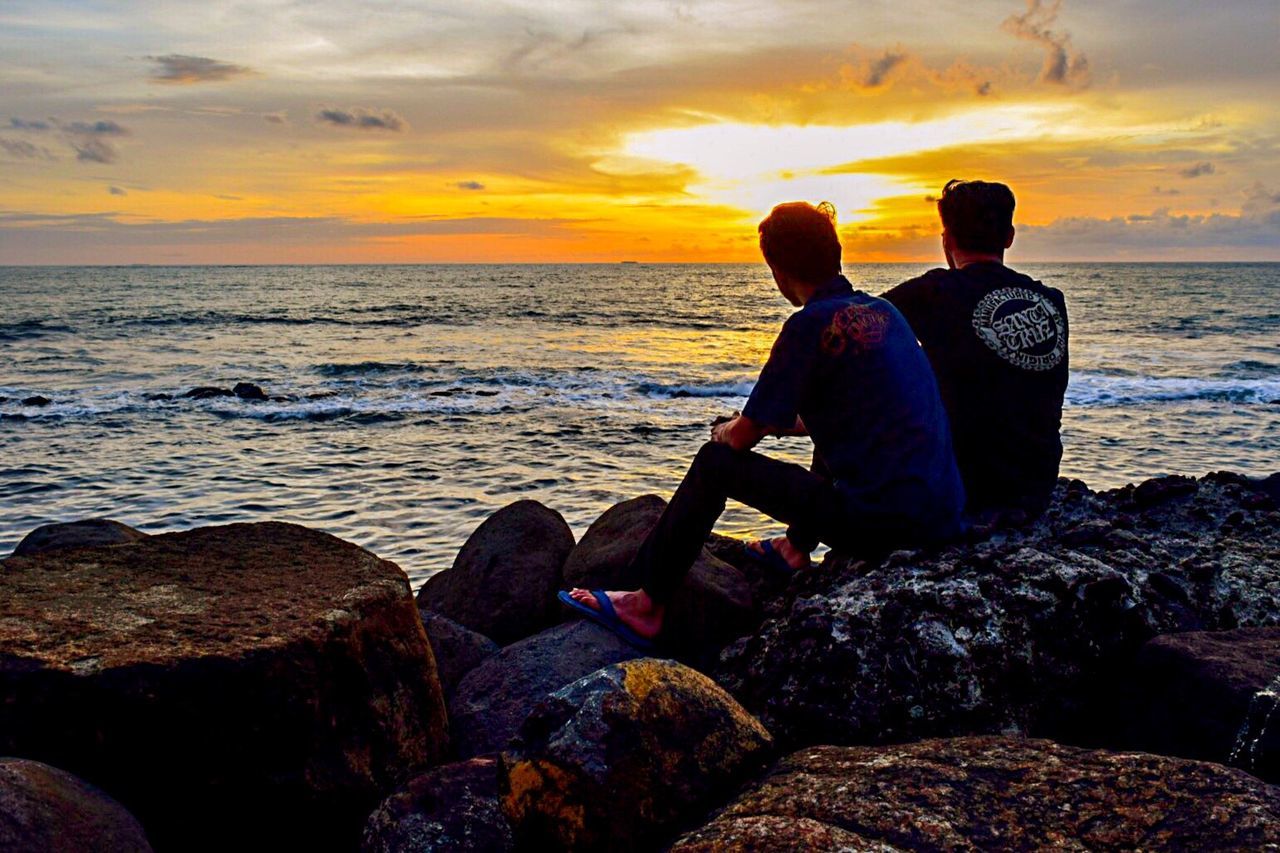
{"x": 997, "y": 340}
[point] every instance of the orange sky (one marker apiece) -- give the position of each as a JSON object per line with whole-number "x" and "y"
{"x": 319, "y": 132}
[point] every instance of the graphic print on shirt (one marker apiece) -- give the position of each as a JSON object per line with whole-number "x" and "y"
{"x": 858, "y": 327}
{"x": 1021, "y": 326}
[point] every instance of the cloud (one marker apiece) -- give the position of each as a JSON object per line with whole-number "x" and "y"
{"x": 982, "y": 89}
{"x": 361, "y": 118}
{"x": 22, "y": 150}
{"x": 86, "y": 138}
{"x": 1063, "y": 64}
{"x": 1162, "y": 191}
{"x": 116, "y": 191}
{"x": 96, "y": 128}
{"x": 1203, "y": 168}
{"x": 179, "y": 69}
{"x": 879, "y": 70}
{"x": 23, "y": 124}
{"x": 1160, "y": 233}
{"x": 276, "y": 118}
{"x": 93, "y": 151}
{"x": 469, "y": 185}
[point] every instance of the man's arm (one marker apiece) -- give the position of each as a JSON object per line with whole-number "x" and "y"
{"x": 740, "y": 433}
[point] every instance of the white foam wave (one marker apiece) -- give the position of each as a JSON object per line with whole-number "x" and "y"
{"x": 1098, "y": 389}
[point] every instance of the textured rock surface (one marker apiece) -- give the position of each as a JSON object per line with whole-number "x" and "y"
{"x": 621, "y": 757}
{"x": 1014, "y": 633}
{"x": 713, "y": 608}
{"x": 492, "y": 700}
{"x": 47, "y": 810}
{"x": 454, "y": 807}
{"x": 457, "y": 649}
{"x": 503, "y": 582}
{"x": 999, "y": 793}
{"x": 247, "y": 679}
{"x": 76, "y": 534}
{"x": 1208, "y": 695}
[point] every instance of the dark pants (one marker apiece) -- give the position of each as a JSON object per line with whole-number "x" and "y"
{"x": 806, "y": 500}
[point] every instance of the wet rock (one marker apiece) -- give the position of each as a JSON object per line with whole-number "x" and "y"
{"x": 1018, "y": 633}
{"x": 457, "y": 650}
{"x": 492, "y": 700}
{"x": 248, "y": 685}
{"x": 37, "y": 400}
{"x": 620, "y": 758}
{"x": 207, "y": 392}
{"x": 89, "y": 533}
{"x": 157, "y": 397}
{"x": 454, "y": 807}
{"x": 503, "y": 582}
{"x": 1207, "y": 695}
{"x": 248, "y": 391}
{"x": 712, "y": 608}
{"x": 1000, "y": 793}
{"x": 47, "y": 810}
{"x": 322, "y": 395}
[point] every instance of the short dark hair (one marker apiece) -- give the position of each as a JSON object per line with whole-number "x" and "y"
{"x": 977, "y": 214}
{"x": 800, "y": 240}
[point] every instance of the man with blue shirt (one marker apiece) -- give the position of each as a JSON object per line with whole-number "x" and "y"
{"x": 847, "y": 371}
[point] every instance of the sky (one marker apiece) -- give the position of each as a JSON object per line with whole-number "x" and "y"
{"x": 316, "y": 131}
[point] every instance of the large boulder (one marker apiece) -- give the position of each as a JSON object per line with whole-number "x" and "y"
{"x": 89, "y": 533}
{"x": 492, "y": 700}
{"x": 246, "y": 685}
{"x": 1208, "y": 695}
{"x": 457, "y": 649}
{"x": 994, "y": 793}
{"x": 711, "y": 609}
{"x": 621, "y": 758}
{"x": 503, "y": 582}
{"x": 1016, "y": 633}
{"x": 47, "y": 810}
{"x": 453, "y": 807}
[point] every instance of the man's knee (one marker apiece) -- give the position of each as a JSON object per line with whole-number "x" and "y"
{"x": 714, "y": 456}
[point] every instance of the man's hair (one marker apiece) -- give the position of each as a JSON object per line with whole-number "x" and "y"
{"x": 800, "y": 240}
{"x": 977, "y": 214}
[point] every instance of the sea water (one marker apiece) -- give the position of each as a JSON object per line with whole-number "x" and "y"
{"x": 416, "y": 400}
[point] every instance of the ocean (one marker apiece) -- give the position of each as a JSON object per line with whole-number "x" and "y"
{"x": 416, "y": 400}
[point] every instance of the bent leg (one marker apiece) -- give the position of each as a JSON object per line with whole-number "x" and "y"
{"x": 779, "y": 489}
{"x": 801, "y": 532}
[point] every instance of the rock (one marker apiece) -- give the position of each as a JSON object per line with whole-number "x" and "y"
{"x": 249, "y": 391}
{"x": 1003, "y": 793}
{"x": 248, "y": 685}
{"x": 1207, "y": 695}
{"x": 1018, "y": 633}
{"x": 454, "y": 807}
{"x": 207, "y": 392}
{"x": 47, "y": 810}
{"x": 89, "y": 533}
{"x": 322, "y": 395}
{"x": 492, "y": 700}
{"x": 158, "y": 397}
{"x": 457, "y": 650}
{"x": 620, "y": 758}
{"x": 503, "y": 582}
{"x": 712, "y": 608}
{"x": 37, "y": 400}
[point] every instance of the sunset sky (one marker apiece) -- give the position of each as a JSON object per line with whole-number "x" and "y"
{"x": 316, "y": 131}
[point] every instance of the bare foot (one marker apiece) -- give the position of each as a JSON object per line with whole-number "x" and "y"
{"x": 636, "y": 609}
{"x": 795, "y": 558}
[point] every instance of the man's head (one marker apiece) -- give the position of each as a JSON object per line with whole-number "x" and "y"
{"x": 977, "y": 217}
{"x": 799, "y": 243}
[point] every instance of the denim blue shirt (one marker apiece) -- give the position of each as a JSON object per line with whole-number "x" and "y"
{"x": 849, "y": 365}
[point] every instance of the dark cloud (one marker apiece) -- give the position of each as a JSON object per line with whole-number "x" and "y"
{"x": 93, "y": 151}
{"x": 1063, "y": 64}
{"x": 22, "y": 150}
{"x": 983, "y": 89}
{"x": 277, "y": 118}
{"x": 116, "y": 191}
{"x": 1162, "y": 191}
{"x": 879, "y": 70}
{"x": 469, "y": 185}
{"x": 177, "y": 68}
{"x": 23, "y": 124}
{"x": 1159, "y": 234}
{"x": 1195, "y": 171}
{"x": 95, "y": 128}
{"x": 362, "y": 119}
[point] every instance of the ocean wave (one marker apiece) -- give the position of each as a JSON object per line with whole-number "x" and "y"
{"x": 26, "y": 330}
{"x": 717, "y": 389}
{"x": 1097, "y": 389}
{"x": 364, "y": 368}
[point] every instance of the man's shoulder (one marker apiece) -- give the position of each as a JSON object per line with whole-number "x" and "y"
{"x": 920, "y": 284}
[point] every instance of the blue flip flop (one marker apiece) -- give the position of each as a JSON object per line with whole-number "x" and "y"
{"x": 606, "y": 616}
{"x": 769, "y": 557}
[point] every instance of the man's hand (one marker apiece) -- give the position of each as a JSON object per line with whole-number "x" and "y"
{"x": 739, "y": 432}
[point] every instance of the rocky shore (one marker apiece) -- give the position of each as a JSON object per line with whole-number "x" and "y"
{"x": 1106, "y": 678}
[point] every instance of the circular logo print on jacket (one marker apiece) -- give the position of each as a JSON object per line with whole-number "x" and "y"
{"x": 1023, "y": 327}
